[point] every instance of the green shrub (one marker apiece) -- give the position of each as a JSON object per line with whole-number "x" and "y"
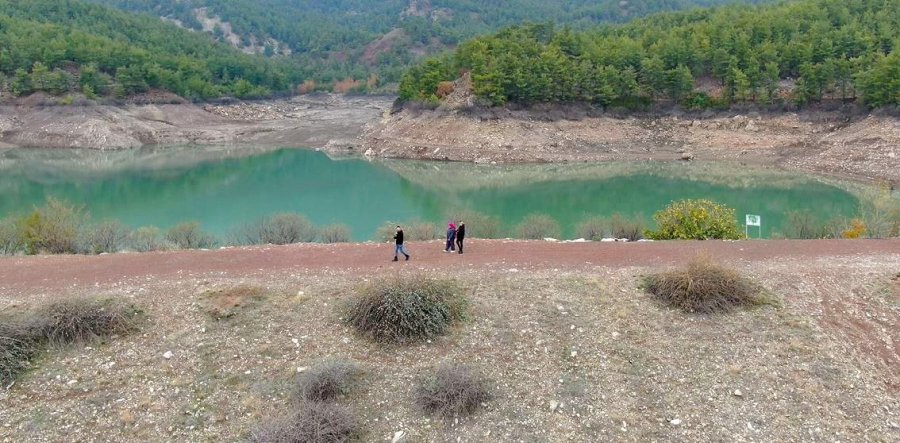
{"x": 406, "y": 309}
{"x": 107, "y": 237}
{"x": 478, "y": 225}
{"x": 593, "y": 229}
{"x": 705, "y": 288}
{"x": 188, "y": 235}
{"x": 696, "y": 220}
{"x": 630, "y": 228}
{"x": 335, "y": 234}
{"x": 146, "y": 239}
{"x": 327, "y": 381}
{"x": 452, "y": 391}
{"x": 311, "y": 422}
{"x": 538, "y": 227}
{"x": 53, "y": 228}
{"x": 11, "y": 241}
{"x": 278, "y": 229}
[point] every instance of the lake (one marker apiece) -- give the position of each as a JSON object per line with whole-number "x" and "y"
{"x": 223, "y": 188}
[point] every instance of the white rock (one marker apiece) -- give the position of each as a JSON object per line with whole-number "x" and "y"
{"x": 399, "y": 436}
{"x": 550, "y": 239}
{"x": 554, "y": 405}
{"x": 608, "y": 240}
{"x": 369, "y": 153}
{"x": 168, "y": 355}
{"x": 738, "y": 393}
{"x": 676, "y": 421}
{"x": 302, "y": 369}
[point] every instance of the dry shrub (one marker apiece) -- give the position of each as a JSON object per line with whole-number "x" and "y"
{"x": 593, "y": 228}
{"x": 188, "y": 235}
{"x": 856, "y": 229}
{"x": 306, "y": 87}
{"x": 452, "y": 391}
{"x": 311, "y": 422}
{"x": 24, "y": 335}
{"x": 623, "y": 227}
{"x": 335, "y": 234}
{"x": 406, "y": 309}
{"x": 107, "y": 237}
{"x": 11, "y": 242}
{"x": 478, "y": 225}
{"x": 444, "y": 89}
{"x": 346, "y": 85}
{"x": 279, "y": 229}
{"x": 18, "y": 347}
{"x": 413, "y": 231}
{"x": 803, "y": 225}
{"x": 82, "y": 320}
{"x": 226, "y": 303}
{"x": 327, "y": 381}
{"x": 539, "y": 227}
{"x": 704, "y": 287}
{"x": 53, "y": 228}
{"x": 146, "y": 239}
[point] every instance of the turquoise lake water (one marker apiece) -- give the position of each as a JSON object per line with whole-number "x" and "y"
{"x": 224, "y": 188}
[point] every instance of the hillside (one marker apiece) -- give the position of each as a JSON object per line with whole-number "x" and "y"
{"x": 77, "y": 47}
{"x": 799, "y": 52}
{"x": 363, "y": 44}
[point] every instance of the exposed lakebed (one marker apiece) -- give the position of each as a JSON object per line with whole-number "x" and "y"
{"x": 224, "y": 188}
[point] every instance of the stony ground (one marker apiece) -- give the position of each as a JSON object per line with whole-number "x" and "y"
{"x": 864, "y": 148}
{"x": 577, "y": 334}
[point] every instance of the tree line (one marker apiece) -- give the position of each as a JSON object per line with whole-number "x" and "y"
{"x": 803, "y": 51}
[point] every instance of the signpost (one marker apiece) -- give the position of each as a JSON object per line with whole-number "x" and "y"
{"x": 753, "y": 220}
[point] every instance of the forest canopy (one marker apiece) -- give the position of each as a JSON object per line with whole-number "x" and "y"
{"x": 804, "y": 51}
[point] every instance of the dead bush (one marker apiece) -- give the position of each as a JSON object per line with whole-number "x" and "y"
{"x": 327, "y": 381}
{"x": 629, "y": 228}
{"x": 279, "y": 229}
{"x": 226, "y": 303}
{"x": 452, "y": 390}
{"x": 593, "y": 229}
{"x": 406, "y": 309}
{"x": 75, "y": 321}
{"x": 188, "y": 235}
{"x": 413, "y": 231}
{"x": 11, "y": 242}
{"x": 478, "y": 225}
{"x": 335, "y": 234}
{"x": 705, "y": 288}
{"x": 311, "y": 422}
{"x": 108, "y": 237}
{"x": 82, "y": 320}
{"x": 146, "y": 239}
{"x": 539, "y": 227}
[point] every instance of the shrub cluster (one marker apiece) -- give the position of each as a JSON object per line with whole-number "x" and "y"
{"x": 706, "y": 288}
{"x": 478, "y": 225}
{"x": 73, "y": 321}
{"x": 696, "y": 220}
{"x": 452, "y": 390}
{"x": 406, "y": 309}
{"x": 538, "y": 227}
{"x": 617, "y": 226}
{"x": 334, "y": 234}
{"x": 315, "y": 417}
{"x": 278, "y": 229}
{"x": 416, "y": 230}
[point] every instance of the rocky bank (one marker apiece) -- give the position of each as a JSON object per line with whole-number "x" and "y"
{"x": 865, "y": 147}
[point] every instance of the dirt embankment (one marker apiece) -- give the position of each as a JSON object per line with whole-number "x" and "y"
{"x": 864, "y": 148}
{"x": 311, "y": 121}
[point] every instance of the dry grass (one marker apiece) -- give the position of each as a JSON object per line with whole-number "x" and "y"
{"x": 452, "y": 391}
{"x": 59, "y": 324}
{"x": 406, "y": 309}
{"x": 312, "y": 422}
{"x": 705, "y": 288}
{"x": 226, "y": 303}
{"x": 327, "y": 381}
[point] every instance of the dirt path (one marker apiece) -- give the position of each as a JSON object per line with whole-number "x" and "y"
{"x": 21, "y": 274}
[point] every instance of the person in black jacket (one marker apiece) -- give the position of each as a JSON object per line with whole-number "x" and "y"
{"x": 460, "y": 235}
{"x": 398, "y": 239}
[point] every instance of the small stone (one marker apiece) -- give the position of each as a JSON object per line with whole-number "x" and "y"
{"x": 168, "y": 355}
{"x": 72, "y": 382}
{"x": 302, "y": 369}
{"x": 676, "y": 421}
{"x": 399, "y": 436}
{"x": 554, "y": 405}
{"x": 738, "y": 393}
{"x": 687, "y": 156}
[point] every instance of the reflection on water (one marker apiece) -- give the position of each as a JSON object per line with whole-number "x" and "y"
{"x": 223, "y": 188}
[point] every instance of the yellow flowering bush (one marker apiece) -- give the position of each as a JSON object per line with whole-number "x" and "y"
{"x": 696, "y": 220}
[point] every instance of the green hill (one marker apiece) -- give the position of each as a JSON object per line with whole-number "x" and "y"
{"x": 72, "y": 46}
{"x": 347, "y": 40}
{"x": 804, "y": 51}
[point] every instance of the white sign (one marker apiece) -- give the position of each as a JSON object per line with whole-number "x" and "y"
{"x": 754, "y": 220}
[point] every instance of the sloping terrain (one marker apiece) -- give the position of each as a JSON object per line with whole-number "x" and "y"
{"x": 573, "y": 348}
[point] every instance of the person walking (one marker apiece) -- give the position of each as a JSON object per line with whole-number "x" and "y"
{"x": 451, "y": 238}
{"x": 399, "y": 248}
{"x": 460, "y": 235}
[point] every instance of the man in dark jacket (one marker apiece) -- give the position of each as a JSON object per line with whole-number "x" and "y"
{"x": 399, "y": 248}
{"x": 460, "y": 235}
